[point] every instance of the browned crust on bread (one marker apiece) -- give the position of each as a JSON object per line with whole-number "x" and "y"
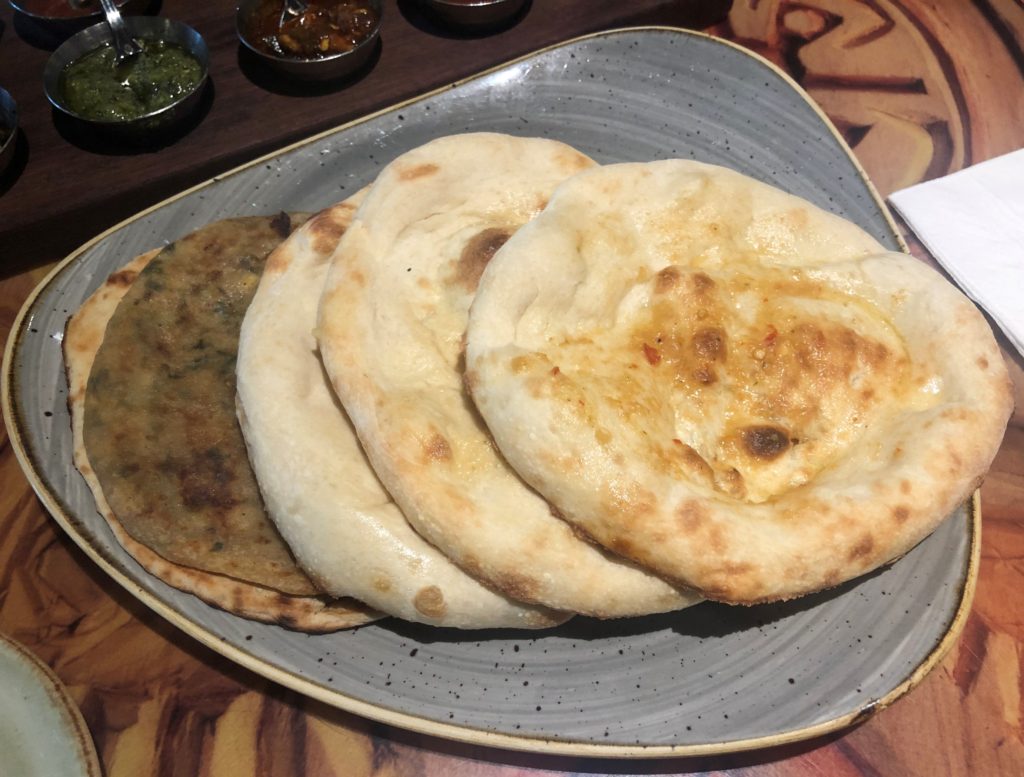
{"x": 767, "y": 402}
{"x": 82, "y": 339}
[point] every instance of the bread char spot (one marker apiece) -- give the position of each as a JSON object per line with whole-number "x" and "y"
{"x": 282, "y": 224}
{"x": 327, "y": 227}
{"x": 412, "y": 172}
{"x": 471, "y": 566}
{"x": 652, "y": 355}
{"x": 429, "y": 601}
{"x": 692, "y": 460}
{"x": 667, "y": 279}
{"x": 571, "y": 161}
{"x": 382, "y": 583}
{"x": 982, "y": 362}
{"x": 122, "y": 278}
{"x": 794, "y": 221}
{"x": 476, "y": 253}
{"x": 205, "y": 481}
{"x": 765, "y": 442}
{"x": 702, "y": 334}
{"x": 705, "y": 375}
{"x": 737, "y": 569}
{"x": 470, "y": 380}
{"x": 709, "y": 343}
{"x": 691, "y": 516}
{"x": 518, "y": 587}
{"x": 702, "y": 283}
{"x": 437, "y": 448}
{"x": 623, "y": 546}
{"x": 357, "y": 278}
{"x": 862, "y": 549}
{"x": 900, "y": 513}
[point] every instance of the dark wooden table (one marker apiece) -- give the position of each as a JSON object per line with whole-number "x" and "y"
{"x": 66, "y": 185}
{"x": 918, "y": 87}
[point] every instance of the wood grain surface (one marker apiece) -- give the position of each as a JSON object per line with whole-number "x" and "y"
{"x": 919, "y": 88}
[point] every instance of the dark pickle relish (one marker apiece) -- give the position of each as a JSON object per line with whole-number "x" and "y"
{"x": 94, "y": 88}
{"x": 327, "y": 27}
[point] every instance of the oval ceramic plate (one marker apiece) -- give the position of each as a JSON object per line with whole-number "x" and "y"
{"x": 42, "y": 732}
{"x": 708, "y": 679}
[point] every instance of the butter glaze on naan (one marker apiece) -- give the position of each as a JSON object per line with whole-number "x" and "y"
{"x": 391, "y": 324}
{"x": 82, "y": 339}
{"x": 728, "y": 385}
{"x": 317, "y": 484}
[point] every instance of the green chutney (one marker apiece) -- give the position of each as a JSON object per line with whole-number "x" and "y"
{"x": 94, "y": 88}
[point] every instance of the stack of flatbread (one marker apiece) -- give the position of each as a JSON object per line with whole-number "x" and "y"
{"x": 504, "y": 385}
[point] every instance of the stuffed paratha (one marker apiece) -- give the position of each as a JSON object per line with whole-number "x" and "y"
{"x": 391, "y": 323}
{"x": 317, "y": 484}
{"x": 167, "y": 365}
{"x": 728, "y": 385}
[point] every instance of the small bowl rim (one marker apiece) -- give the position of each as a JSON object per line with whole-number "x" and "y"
{"x": 18, "y": 5}
{"x": 8, "y": 98}
{"x": 475, "y": 15}
{"x": 470, "y": 3}
{"x": 202, "y": 55}
{"x": 378, "y": 6}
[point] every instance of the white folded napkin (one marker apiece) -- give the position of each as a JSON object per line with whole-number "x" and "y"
{"x": 972, "y": 222}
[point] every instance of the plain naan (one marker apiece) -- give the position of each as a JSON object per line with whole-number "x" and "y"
{"x": 728, "y": 385}
{"x": 317, "y": 484}
{"x": 391, "y": 327}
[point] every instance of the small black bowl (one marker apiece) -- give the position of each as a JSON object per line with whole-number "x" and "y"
{"x": 328, "y": 68}
{"x": 475, "y": 15}
{"x": 8, "y": 129}
{"x": 150, "y": 28}
{"x": 48, "y": 26}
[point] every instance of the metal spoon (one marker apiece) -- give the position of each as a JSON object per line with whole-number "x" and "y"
{"x": 291, "y": 9}
{"x": 124, "y": 44}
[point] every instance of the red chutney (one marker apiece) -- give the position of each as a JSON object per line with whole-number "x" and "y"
{"x": 326, "y": 28}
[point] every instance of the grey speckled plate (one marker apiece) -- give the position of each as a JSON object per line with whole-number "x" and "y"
{"x": 42, "y": 732}
{"x": 712, "y": 678}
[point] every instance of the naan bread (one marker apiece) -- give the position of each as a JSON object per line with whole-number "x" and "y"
{"x": 317, "y": 484}
{"x": 280, "y": 593}
{"x": 728, "y": 385}
{"x": 391, "y": 323}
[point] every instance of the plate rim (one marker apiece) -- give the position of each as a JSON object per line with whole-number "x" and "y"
{"x": 67, "y": 709}
{"x": 406, "y": 720}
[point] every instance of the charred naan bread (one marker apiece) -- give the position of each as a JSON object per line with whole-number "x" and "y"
{"x": 728, "y": 385}
{"x": 151, "y": 395}
{"x": 317, "y": 484}
{"x": 391, "y": 323}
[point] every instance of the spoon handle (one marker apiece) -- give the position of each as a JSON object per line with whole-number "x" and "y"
{"x": 124, "y": 44}
{"x": 291, "y": 9}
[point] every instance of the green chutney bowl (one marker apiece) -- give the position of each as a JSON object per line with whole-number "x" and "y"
{"x": 144, "y": 28}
